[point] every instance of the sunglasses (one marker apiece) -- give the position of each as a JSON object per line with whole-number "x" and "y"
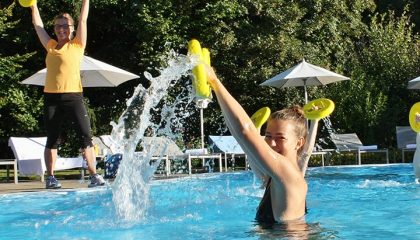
{"x": 64, "y": 26}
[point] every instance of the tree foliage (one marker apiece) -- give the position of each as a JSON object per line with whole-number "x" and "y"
{"x": 250, "y": 42}
{"x": 386, "y": 59}
{"x": 19, "y": 105}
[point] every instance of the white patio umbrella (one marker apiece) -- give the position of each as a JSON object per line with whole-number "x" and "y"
{"x": 414, "y": 84}
{"x": 94, "y": 73}
{"x": 304, "y": 74}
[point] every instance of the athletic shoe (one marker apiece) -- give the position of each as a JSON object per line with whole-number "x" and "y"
{"x": 52, "y": 183}
{"x": 96, "y": 180}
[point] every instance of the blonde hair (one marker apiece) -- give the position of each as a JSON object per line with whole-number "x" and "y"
{"x": 295, "y": 114}
{"x": 70, "y": 19}
{"x": 64, "y": 16}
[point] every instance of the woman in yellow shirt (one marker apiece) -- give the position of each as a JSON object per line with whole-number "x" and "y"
{"x": 63, "y": 92}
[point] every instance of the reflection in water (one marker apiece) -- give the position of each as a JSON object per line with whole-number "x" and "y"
{"x": 298, "y": 229}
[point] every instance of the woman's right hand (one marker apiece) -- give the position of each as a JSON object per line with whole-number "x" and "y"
{"x": 35, "y": 5}
{"x": 211, "y": 77}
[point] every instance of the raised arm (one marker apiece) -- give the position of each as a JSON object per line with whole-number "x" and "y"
{"x": 244, "y": 131}
{"x": 39, "y": 26}
{"x": 309, "y": 146}
{"x": 81, "y": 33}
{"x": 257, "y": 171}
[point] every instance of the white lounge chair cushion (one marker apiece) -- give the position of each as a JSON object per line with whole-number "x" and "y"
{"x": 227, "y": 144}
{"x": 369, "y": 147}
{"x": 411, "y": 146}
{"x": 29, "y": 153}
{"x": 196, "y": 151}
{"x": 31, "y": 166}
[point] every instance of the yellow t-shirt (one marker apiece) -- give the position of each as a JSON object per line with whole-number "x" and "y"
{"x": 63, "y": 67}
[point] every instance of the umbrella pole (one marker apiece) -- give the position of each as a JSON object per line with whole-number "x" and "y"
{"x": 201, "y": 104}
{"x": 306, "y": 98}
{"x": 202, "y": 128}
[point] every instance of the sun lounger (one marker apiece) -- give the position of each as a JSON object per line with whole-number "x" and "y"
{"x": 406, "y": 140}
{"x": 165, "y": 149}
{"x": 8, "y": 162}
{"x": 29, "y": 154}
{"x": 162, "y": 147}
{"x": 113, "y": 157}
{"x": 350, "y": 142}
{"x": 323, "y": 153}
{"x": 228, "y": 146}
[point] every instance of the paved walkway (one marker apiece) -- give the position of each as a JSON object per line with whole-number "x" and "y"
{"x": 37, "y": 186}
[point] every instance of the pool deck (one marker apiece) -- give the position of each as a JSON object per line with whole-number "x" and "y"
{"x": 38, "y": 186}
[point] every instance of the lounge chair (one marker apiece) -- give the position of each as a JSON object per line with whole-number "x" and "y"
{"x": 29, "y": 154}
{"x": 165, "y": 149}
{"x": 7, "y": 162}
{"x": 323, "y": 153}
{"x": 228, "y": 146}
{"x": 406, "y": 140}
{"x": 350, "y": 142}
{"x": 162, "y": 147}
{"x": 113, "y": 156}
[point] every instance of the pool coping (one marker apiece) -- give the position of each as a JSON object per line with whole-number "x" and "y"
{"x": 67, "y": 185}
{"x": 38, "y": 186}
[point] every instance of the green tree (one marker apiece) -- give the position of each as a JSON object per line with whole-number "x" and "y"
{"x": 20, "y": 106}
{"x": 250, "y": 41}
{"x": 387, "y": 58}
{"x": 264, "y": 38}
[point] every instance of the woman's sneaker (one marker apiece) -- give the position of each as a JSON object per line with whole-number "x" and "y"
{"x": 96, "y": 180}
{"x": 52, "y": 183}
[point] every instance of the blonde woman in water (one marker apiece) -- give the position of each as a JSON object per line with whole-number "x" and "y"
{"x": 280, "y": 159}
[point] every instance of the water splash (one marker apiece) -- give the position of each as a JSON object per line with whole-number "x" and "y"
{"x": 379, "y": 183}
{"x": 149, "y": 111}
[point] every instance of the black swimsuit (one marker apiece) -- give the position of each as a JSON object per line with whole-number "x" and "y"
{"x": 265, "y": 210}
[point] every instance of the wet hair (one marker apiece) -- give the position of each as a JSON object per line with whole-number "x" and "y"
{"x": 295, "y": 114}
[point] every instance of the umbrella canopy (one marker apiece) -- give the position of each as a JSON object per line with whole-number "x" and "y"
{"x": 414, "y": 84}
{"x": 94, "y": 73}
{"x": 304, "y": 74}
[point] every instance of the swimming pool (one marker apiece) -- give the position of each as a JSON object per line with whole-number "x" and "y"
{"x": 369, "y": 202}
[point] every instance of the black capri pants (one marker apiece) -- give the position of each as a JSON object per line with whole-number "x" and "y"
{"x": 58, "y": 107}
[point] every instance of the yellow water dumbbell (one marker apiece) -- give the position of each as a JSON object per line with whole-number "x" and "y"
{"x": 318, "y": 108}
{"x": 200, "y": 84}
{"x": 27, "y": 3}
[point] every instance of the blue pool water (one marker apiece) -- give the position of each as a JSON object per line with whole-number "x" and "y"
{"x": 369, "y": 202}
